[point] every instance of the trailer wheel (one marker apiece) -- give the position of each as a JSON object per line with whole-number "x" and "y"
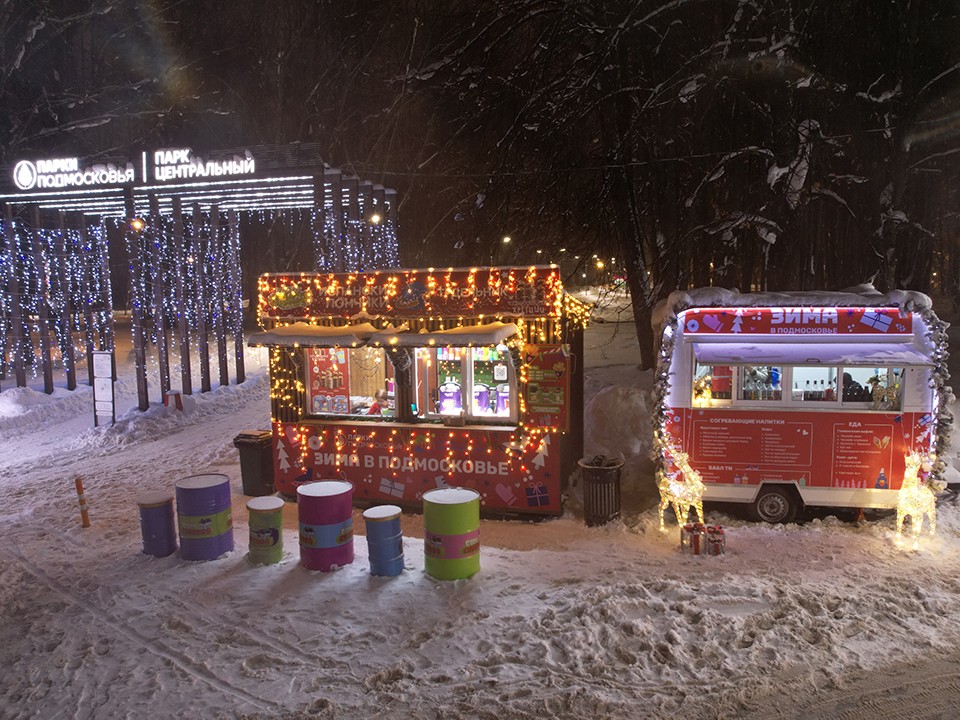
{"x": 774, "y": 505}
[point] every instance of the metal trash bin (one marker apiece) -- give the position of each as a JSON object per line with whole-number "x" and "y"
{"x": 601, "y": 489}
{"x": 256, "y": 461}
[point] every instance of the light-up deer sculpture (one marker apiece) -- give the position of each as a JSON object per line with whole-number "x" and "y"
{"x": 916, "y": 500}
{"x": 682, "y": 489}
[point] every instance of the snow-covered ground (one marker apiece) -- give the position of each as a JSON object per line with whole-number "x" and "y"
{"x": 562, "y": 620}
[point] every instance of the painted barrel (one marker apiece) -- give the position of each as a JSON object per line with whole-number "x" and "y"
{"x": 204, "y": 516}
{"x": 325, "y": 510}
{"x": 156, "y": 523}
{"x": 451, "y": 532}
{"x": 266, "y": 530}
{"x": 384, "y": 539}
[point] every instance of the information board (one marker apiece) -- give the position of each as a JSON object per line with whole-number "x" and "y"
{"x": 104, "y": 373}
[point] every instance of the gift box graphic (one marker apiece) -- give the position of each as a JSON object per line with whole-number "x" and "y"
{"x": 391, "y": 487}
{"x": 537, "y": 495}
{"x": 876, "y": 320}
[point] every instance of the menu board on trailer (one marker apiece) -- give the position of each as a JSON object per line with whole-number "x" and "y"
{"x": 547, "y": 391}
{"x": 816, "y": 449}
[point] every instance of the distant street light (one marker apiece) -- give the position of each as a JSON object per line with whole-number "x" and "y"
{"x": 375, "y": 218}
{"x": 506, "y": 239}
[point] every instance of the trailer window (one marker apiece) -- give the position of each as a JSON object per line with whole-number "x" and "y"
{"x": 814, "y": 384}
{"x": 349, "y": 381}
{"x": 880, "y": 388}
{"x": 712, "y": 382}
{"x": 761, "y": 383}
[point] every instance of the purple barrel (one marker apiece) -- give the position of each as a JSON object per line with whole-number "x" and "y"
{"x": 156, "y": 523}
{"x": 204, "y": 516}
{"x": 325, "y": 510}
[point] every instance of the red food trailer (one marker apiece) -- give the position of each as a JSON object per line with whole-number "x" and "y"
{"x": 800, "y": 399}
{"x": 402, "y": 381}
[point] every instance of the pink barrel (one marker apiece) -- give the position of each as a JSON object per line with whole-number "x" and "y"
{"x": 325, "y": 509}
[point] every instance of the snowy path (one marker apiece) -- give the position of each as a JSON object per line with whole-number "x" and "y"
{"x": 564, "y": 621}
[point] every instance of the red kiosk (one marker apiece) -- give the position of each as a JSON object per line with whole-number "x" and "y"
{"x": 403, "y": 381}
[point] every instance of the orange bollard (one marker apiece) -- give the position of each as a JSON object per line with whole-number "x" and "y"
{"x": 84, "y": 516}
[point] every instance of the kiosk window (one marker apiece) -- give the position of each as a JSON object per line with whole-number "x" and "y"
{"x": 349, "y": 381}
{"x": 476, "y": 382}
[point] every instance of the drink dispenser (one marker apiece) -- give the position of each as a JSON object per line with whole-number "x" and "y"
{"x": 481, "y": 398}
{"x": 450, "y": 403}
{"x": 503, "y": 399}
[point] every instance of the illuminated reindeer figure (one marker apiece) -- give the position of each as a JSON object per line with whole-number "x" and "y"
{"x": 683, "y": 489}
{"x": 916, "y": 499}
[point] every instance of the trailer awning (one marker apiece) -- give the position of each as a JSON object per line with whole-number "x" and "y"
{"x": 307, "y": 335}
{"x": 488, "y": 334}
{"x": 877, "y": 354}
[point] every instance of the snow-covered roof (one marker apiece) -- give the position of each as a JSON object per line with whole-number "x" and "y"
{"x": 864, "y": 295}
{"x": 306, "y": 334}
{"x": 486, "y": 334}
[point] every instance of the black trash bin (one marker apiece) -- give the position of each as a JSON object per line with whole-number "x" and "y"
{"x": 601, "y": 489}
{"x": 256, "y": 461}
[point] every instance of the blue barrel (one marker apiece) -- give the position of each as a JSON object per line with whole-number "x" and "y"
{"x": 204, "y": 516}
{"x": 156, "y": 523}
{"x": 384, "y": 540}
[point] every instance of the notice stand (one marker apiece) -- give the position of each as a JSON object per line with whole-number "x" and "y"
{"x": 104, "y": 373}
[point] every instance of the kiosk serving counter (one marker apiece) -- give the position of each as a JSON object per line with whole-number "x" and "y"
{"x": 404, "y": 381}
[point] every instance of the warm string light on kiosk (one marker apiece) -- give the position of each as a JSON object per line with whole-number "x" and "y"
{"x": 290, "y": 298}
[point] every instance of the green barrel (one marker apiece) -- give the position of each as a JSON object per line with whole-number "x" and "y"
{"x": 451, "y": 533}
{"x": 266, "y": 530}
